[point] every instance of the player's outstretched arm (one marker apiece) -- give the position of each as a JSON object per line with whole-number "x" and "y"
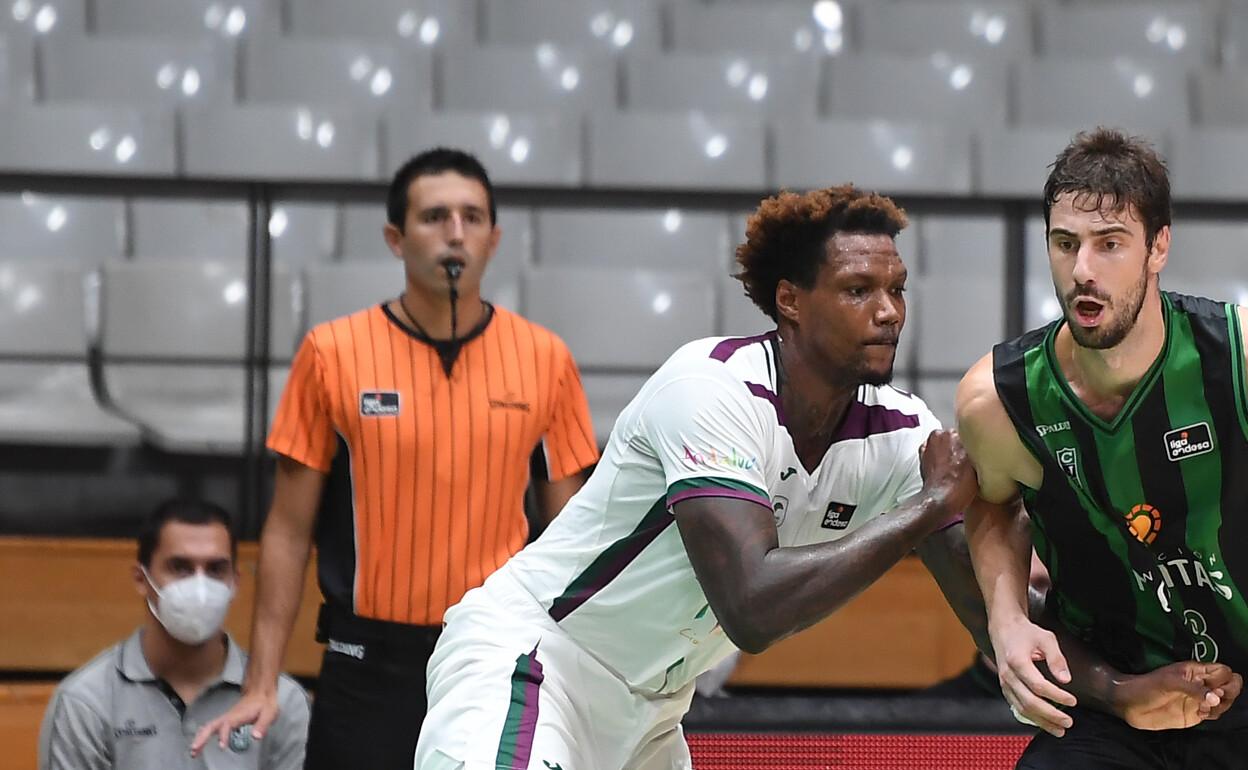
{"x": 285, "y": 545}
{"x": 947, "y": 557}
{"x": 762, "y": 593}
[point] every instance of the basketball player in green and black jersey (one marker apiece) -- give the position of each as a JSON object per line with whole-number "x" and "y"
{"x": 1123, "y": 429}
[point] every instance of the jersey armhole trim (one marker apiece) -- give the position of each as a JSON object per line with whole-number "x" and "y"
{"x": 686, "y": 489}
{"x": 1234, "y": 327}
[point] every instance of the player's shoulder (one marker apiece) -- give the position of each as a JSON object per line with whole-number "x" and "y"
{"x": 889, "y": 409}
{"x": 736, "y": 358}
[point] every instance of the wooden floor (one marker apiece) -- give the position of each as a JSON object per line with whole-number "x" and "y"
{"x": 65, "y": 600}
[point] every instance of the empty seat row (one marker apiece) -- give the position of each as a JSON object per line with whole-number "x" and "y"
{"x": 689, "y": 151}
{"x": 1189, "y": 32}
{"x": 377, "y": 79}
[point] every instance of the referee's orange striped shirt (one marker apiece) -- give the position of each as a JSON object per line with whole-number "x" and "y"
{"x": 438, "y": 465}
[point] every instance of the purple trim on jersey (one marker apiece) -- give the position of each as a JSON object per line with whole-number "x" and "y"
{"x": 956, "y": 518}
{"x": 762, "y": 392}
{"x": 862, "y": 421}
{"x": 685, "y": 494}
{"x": 724, "y": 350}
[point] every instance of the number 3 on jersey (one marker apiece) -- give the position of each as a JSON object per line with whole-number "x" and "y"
{"x": 1204, "y": 649}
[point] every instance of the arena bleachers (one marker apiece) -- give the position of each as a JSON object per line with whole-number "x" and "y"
{"x": 155, "y": 156}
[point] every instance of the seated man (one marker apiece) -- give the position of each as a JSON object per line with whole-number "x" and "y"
{"x": 137, "y": 704}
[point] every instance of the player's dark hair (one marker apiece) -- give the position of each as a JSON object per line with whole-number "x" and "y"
{"x": 786, "y": 238}
{"x": 436, "y": 161}
{"x": 1108, "y": 169}
{"x": 184, "y": 511}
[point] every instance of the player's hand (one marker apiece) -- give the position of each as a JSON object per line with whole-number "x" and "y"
{"x": 947, "y": 470}
{"x": 1176, "y": 696}
{"x": 257, "y": 709}
{"x": 1020, "y": 646}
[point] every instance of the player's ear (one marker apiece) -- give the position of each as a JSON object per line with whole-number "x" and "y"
{"x": 787, "y": 301}
{"x": 1160, "y": 253}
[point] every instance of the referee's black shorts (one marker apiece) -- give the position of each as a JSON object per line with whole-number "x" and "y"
{"x": 370, "y": 697}
{"x": 1099, "y": 741}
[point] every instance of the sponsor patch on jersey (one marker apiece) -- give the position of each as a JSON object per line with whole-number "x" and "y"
{"x": 379, "y": 403}
{"x": 1144, "y": 521}
{"x": 780, "y": 507}
{"x": 1182, "y": 443}
{"x": 837, "y": 515}
{"x": 715, "y": 458}
{"x": 1068, "y": 458}
{"x": 1056, "y": 427}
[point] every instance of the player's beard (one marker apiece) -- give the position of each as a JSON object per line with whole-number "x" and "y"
{"x": 1109, "y": 335}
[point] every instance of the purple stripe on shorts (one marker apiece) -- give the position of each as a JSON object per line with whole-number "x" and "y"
{"x": 528, "y": 717}
{"x": 685, "y": 494}
{"x": 724, "y": 350}
{"x": 862, "y": 421}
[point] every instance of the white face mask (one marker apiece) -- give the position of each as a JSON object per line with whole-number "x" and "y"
{"x": 193, "y": 608}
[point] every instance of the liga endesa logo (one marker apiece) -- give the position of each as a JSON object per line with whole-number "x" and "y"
{"x": 1144, "y": 521}
{"x": 713, "y": 458}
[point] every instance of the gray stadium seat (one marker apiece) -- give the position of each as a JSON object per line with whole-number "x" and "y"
{"x": 647, "y": 238}
{"x": 282, "y": 142}
{"x": 160, "y": 71}
{"x": 182, "y": 229}
{"x": 988, "y": 29}
{"x": 1138, "y": 95}
{"x": 940, "y": 395}
{"x": 1208, "y": 164}
{"x": 777, "y": 85}
{"x": 195, "y": 405}
{"x": 693, "y": 151}
{"x": 1035, "y": 248}
{"x": 1180, "y": 33}
{"x": 963, "y": 245}
{"x": 955, "y": 321}
{"x": 1014, "y": 161}
{"x": 1202, "y": 249}
{"x": 949, "y": 89}
{"x": 409, "y": 23}
{"x": 364, "y": 75}
{"x": 230, "y": 20}
{"x": 362, "y": 241}
{"x": 878, "y": 155}
{"x": 608, "y": 394}
{"x": 1220, "y": 98}
{"x": 527, "y": 79}
{"x": 330, "y": 291}
{"x": 88, "y": 139}
{"x": 34, "y": 19}
{"x": 761, "y": 28}
{"x": 621, "y": 319}
{"x": 1041, "y": 305}
{"x": 614, "y": 26}
{"x": 517, "y": 148}
{"x": 39, "y": 227}
{"x": 43, "y": 314}
{"x": 303, "y": 233}
{"x": 738, "y": 315}
{"x": 17, "y": 69}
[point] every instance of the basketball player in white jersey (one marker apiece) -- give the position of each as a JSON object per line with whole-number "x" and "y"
{"x": 751, "y": 488}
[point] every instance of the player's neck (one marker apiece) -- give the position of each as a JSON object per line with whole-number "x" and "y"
{"x": 430, "y": 312}
{"x": 1114, "y": 372}
{"x": 187, "y": 668}
{"x": 814, "y": 405}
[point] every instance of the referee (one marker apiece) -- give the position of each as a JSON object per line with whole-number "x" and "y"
{"x": 404, "y": 441}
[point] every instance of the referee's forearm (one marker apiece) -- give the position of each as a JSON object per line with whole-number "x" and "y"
{"x": 284, "y": 554}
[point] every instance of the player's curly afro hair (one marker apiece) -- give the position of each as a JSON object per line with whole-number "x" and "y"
{"x": 786, "y": 238}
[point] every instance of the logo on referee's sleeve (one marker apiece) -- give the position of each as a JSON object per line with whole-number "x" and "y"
{"x": 379, "y": 403}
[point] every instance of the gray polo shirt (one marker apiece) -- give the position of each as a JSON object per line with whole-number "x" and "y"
{"x": 114, "y": 713}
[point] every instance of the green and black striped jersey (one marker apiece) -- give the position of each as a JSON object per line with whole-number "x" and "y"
{"x": 1141, "y": 519}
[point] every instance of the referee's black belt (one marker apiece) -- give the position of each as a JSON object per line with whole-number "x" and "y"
{"x": 341, "y": 625}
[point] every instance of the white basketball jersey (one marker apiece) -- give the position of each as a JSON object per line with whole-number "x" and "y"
{"x": 612, "y": 570}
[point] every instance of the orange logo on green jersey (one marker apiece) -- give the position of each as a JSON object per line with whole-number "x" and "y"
{"x": 1144, "y": 521}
